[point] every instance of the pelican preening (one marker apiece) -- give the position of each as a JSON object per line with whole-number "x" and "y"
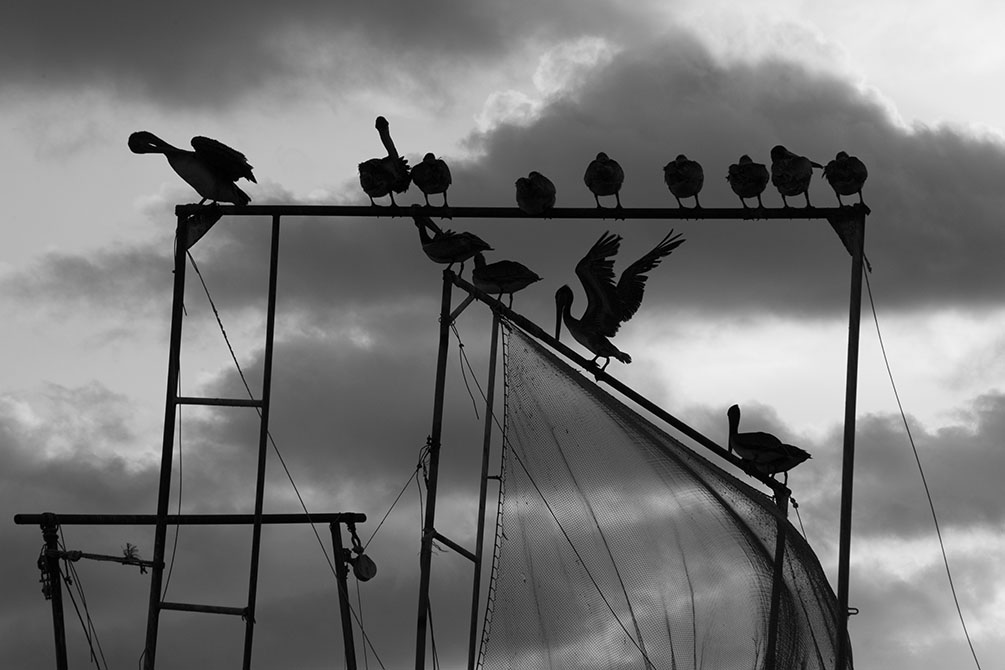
{"x": 535, "y": 194}
{"x": 791, "y": 173}
{"x": 211, "y": 169}
{"x": 748, "y": 179}
{"x": 684, "y": 178}
{"x": 445, "y": 246}
{"x": 762, "y": 451}
{"x": 608, "y": 305}
{"x": 502, "y": 277}
{"x": 604, "y": 176}
{"x": 388, "y": 175}
{"x": 432, "y": 176}
{"x": 846, "y": 175}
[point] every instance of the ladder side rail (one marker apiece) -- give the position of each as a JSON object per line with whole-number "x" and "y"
{"x": 263, "y": 443}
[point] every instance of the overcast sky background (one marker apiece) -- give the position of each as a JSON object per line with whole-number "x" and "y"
{"x": 748, "y": 313}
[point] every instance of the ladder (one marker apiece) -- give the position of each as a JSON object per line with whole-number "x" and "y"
{"x": 190, "y": 228}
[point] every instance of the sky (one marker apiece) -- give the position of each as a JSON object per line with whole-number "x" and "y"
{"x": 748, "y": 313}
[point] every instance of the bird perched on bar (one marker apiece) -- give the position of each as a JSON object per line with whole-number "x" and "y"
{"x": 387, "y": 175}
{"x": 432, "y": 176}
{"x": 445, "y": 246}
{"x": 684, "y": 178}
{"x": 502, "y": 277}
{"x": 535, "y": 194}
{"x": 604, "y": 176}
{"x": 791, "y": 173}
{"x": 608, "y": 305}
{"x": 748, "y": 179}
{"x": 762, "y": 451}
{"x": 211, "y": 169}
{"x": 846, "y": 175}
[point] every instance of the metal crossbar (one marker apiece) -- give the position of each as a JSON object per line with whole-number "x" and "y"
{"x": 624, "y": 213}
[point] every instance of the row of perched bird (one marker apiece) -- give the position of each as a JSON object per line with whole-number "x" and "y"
{"x": 213, "y": 168}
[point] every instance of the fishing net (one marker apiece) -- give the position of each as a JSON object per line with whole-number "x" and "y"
{"x": 619, "y": 547}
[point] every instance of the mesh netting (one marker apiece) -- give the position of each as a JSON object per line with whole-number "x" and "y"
{"x": 620, "y": 546}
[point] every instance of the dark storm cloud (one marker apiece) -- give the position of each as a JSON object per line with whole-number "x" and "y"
{"x": 931, "y": 238}
{"x": 934, "y": 193}
{"x": 961, "y": 463}
{"x": 191, "y": 54}
{"x": 123, "y": 279}
{"x": 60, "y": 452}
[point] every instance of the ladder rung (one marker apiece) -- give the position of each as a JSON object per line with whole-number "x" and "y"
{"x": 209, "y": 609}
{"x": 220, "y": 402}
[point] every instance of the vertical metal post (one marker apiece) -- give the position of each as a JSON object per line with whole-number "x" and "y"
{"x": 483, "y": 490}
{"x": 429, "y": 525}
{"x": 857, "y": 238}
{"x": 771, "y": 652}
{"x": 167, "y": 446}
{"x": 263, "y": 443}
{"x": 343, "y": 596}
{"x": 50, "y": 533}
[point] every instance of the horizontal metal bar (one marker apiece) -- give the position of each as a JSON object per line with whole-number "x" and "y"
{"x": 189, "y": 519}
{"x": 371, "y": 211}
{"x": 208, "y": 609}
{"x": 218, "y": 402}
{"x": 535, "y": 330}
{"x": 75, "y": 555}
{"x": 456, "y": 547}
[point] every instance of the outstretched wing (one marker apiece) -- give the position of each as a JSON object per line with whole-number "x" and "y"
{"x": 596, "y": 273}
{"x": 632, "y": 283}
{"x": 229, "y": 163}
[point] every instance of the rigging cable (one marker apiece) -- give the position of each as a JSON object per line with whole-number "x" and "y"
{"x": 924, "y": 481}
{"x": 275, "y": 448}
{"x": 90, "y": 632}
{"x": 568, "y": 539}
{"x": 177, "y": 526}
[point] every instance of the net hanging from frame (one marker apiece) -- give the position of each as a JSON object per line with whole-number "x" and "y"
{"x": 619, "y": 547}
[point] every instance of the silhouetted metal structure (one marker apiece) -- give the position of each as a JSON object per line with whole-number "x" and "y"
{"x": 194, "y": 220}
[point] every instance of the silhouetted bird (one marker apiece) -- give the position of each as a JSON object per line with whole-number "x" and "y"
{"x": 432, "y": 176}
{"x": 762, "y": 451}
{"x": 607, "y": 305}
{"x": 846, "y": 175}
{"x": 502, "y": 277}
{"x": 388, "y": 175}
{"x": 445, "y": 246}
{"x": 684, "y": 178}
{"x": 604, "y": 176}
{"x": 791, "y": 173}
{"x": 748, "y": 179}
{"x": 211, "y": 169}
{"x": 535, "y": 194}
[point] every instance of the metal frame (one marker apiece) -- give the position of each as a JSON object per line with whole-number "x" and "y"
{"x": 50, "y": 523}
{"x": 848, "y": 221}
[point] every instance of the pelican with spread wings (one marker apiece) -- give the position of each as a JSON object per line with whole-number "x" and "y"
{"x": 608, "y": 305}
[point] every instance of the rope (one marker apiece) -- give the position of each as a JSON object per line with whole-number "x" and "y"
{"x": 921, "y": 471}
{"x": 462, "y": 361}
{"x": 418, "y": 467}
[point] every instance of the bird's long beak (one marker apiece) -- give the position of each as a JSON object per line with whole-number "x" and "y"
{"x": 558, "y": 320}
